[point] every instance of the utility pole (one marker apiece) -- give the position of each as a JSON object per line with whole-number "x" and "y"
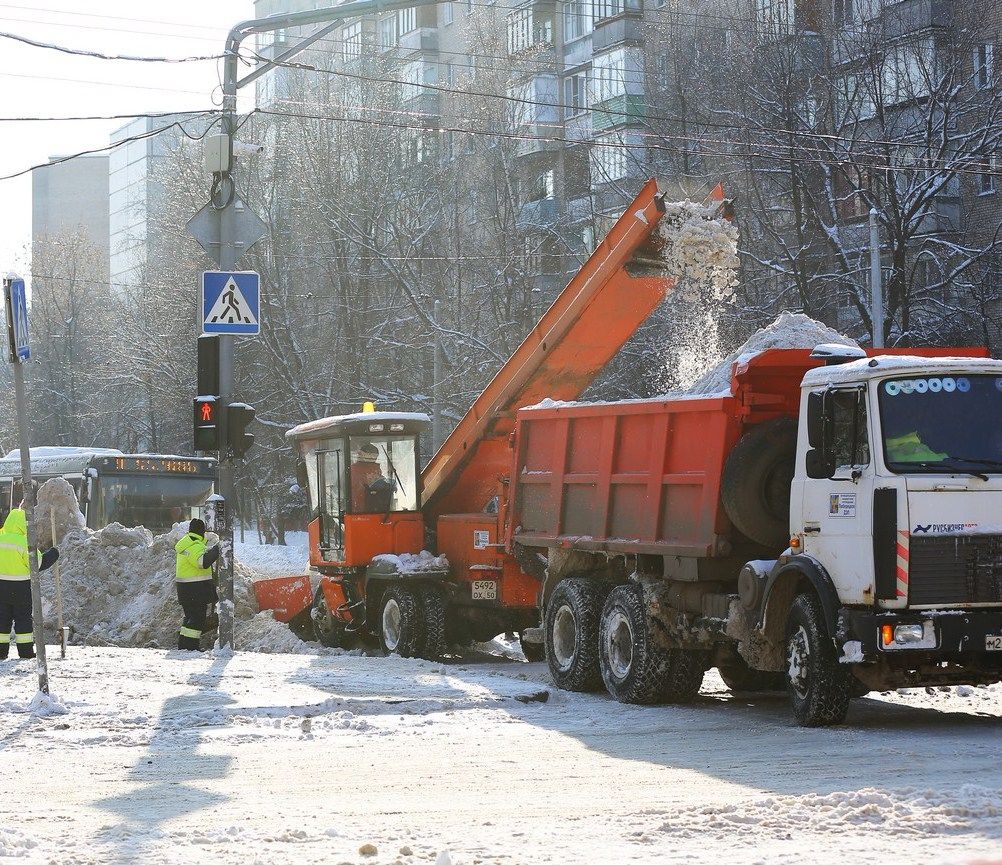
{"x": 223, "y": 227}
{"x": 436, "y": 384}
{"x": 876, "y": 288}
{"x": 20, "y": 351}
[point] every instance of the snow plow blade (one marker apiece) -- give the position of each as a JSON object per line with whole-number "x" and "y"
{"x": 286, "y": 597}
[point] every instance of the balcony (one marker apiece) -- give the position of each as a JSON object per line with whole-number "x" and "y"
{"x": 419, "y": 40}
{"x": 913, "y": 16}
{"x": 542, "y": 212}
{"x": 617, "y": 111}
{"x": 625, "y": 29}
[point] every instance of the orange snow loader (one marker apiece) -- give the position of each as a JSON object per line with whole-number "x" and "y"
{"x": 423, "y": 559}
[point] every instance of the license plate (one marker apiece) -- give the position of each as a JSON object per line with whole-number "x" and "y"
{"x": 993, "y": 642}
{"x": 485, "y": 590}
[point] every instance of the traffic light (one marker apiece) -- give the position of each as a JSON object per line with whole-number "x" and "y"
{"x": 238, "y": 418}
{"x": 206, "y": 423}
{"x": 208, "y": 365}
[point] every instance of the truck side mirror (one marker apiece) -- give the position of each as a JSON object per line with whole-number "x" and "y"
{"x": 816, "y": 419}
{"x": 818, "y": 465}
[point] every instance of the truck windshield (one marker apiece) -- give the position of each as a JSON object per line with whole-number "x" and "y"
{"x": 942, "y": 424}
{"x": 156, "y": 502}
{"x": 383, "y": 474}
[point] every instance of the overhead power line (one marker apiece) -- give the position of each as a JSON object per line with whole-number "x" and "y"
{"x": 81, "y": 52}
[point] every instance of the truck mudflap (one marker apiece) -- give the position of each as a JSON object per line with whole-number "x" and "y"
{"x": 952, "y": 645}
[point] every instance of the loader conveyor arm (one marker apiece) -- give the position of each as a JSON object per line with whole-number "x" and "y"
{"x": 591, "y": 319}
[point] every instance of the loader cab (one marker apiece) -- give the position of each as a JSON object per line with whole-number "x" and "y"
{"x": 362, "y": 473}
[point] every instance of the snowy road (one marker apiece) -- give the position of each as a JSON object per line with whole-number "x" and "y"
{"x": 288, "y": 758}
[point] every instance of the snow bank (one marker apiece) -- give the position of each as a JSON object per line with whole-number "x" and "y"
{"x": 56, "y": 499}
{"x": 789, "y": 330}
{"x": 118, "y": 583}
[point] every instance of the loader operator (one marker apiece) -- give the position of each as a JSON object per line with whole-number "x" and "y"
{"x": 368, "y": 485}
{"x": 15, "y": 585}
{"x": 195, "y": 586}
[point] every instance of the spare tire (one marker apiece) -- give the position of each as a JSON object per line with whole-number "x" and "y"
{"x": 755, "y": 488}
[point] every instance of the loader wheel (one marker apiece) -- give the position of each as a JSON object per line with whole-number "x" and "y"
{"x": 571, "y": 636}
{"x": 739, "y": 677}
{"x": 401, "y": 622}
{"x": 328, "y": 629}
{"x": 433, "y": 645}
{"x": 755, "y": 486}
{"x": 634, "y": 667}
{"x": 819, "y": 686}
{"x": 533, "y": 652}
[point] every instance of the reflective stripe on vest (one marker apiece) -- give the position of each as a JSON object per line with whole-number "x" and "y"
{"x": 4, "y": 639}
{"x": 21, "y": 639}
{"x": 190, "y": 632}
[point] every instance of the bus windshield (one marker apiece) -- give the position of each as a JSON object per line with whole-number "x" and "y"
{"x": 942, "y": 424}
{"x": 156, "y": 502}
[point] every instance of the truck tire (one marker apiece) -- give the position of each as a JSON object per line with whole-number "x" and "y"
{"x": 819, "y": 686}
{"x": 684, "y": 675}
{"x": 533, "y": 651}
{"x": 571, "y": 638}
{"x": 328, "y": 629}
{"x": 633, "y": 667}
{"x": 434, "y": 604}
{"x": 401, "y": 622}
{"x": 755, "y": 486}
{"x": 739, "y": 677}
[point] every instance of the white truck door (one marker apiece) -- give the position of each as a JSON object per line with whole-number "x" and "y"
{"x": 837, "y": 511}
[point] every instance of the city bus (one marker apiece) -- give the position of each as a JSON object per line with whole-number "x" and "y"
{"x": 152, "y": 490}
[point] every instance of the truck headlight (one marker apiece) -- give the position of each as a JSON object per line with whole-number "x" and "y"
{"x": 917, "y": 635}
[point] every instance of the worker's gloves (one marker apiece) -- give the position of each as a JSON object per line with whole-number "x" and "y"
{"x": 209, "y": 556}
{"x": 49, "y": 558}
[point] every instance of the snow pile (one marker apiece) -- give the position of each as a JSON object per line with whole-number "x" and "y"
{"x": 262, "y": 633}
{"x": 46, "y": 705}
{"x": 910, "y": 811}
{"x": 14, "y": 843}
{"x": 789, "y": 330}
{"x": 56, "y": 503}
{"x": 414, "y": 563}
{"x": 699, "y": 246}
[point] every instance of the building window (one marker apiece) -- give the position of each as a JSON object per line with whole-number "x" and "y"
{"x": 351, "y": 41}
{"x": 576, "y": 93}
{"x": 416, "y": 75}
{"x": 608, "y": 159}
{"x": 774, "y": 16}
{"x": 447, "y": 13}
{"x": 406, "y": 20}
{"x": 843, "y": 13}
{"x": 519, "y": 30}
{"x": 448, "y": 145}
{"x": 579, "y": 19}
{"x": 388, "y": 33}
{"x": 617, "y": 73}
{"x": 541, "y": 188}
{"x": 988, "y": 179}
{"x": 608, "y": 8}
{"x": 984, "y": 67}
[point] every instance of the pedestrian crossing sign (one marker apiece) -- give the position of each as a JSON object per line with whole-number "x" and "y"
{"x": 231, "y": 302}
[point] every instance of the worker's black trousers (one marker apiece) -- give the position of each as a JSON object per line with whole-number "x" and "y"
{"x": 194, "y": 599}
{"x": 15, "y": 610}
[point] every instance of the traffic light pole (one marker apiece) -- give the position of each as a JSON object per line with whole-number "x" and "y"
{"x": 223, "y": 195}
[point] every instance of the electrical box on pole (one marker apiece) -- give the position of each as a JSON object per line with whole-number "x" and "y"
{"x": 238, "y": 417}
{"x": 206, "y": 423}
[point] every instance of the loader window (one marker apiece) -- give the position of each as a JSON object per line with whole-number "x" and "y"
{"x": 383, "y": 474}
{"x": 330, "y": 483}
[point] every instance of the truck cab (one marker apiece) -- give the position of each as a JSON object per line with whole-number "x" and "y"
{"x": 894, "y": 512}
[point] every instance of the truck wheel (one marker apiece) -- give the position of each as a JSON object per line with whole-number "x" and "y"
{"x": 401, "y": 622}
{"x": 533, "y": 651}
{"x": 755, "y": 486}
{"x": 328, "y": 629}
{"x": 571, "y": 638}
{"x": 738, "y": 676}
{"x": 434, "y": 604}
{"x": 819, "y": 686}
{"x": 634, "y": 669}
{"x": 684, "y": 675}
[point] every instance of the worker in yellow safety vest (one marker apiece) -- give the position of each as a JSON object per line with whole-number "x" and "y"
{"x": 909, "y": 448}
{"x": 195, "y": 586}
{"x": 15, "y": 585}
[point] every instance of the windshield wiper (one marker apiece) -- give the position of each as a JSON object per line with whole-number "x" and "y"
{"x": 981, "y": 461}
{"x": 944, "y": 464}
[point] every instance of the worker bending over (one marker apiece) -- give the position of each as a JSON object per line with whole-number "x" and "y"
{"x": 15, "y": 585}
{"x": 195, "y": 586}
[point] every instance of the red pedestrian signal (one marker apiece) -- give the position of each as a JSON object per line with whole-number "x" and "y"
{"x": 206, "y": 430}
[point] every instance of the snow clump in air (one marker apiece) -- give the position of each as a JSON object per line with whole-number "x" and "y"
{"x": 700, "y": 247}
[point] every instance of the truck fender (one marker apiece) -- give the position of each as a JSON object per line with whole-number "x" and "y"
{"x": 785, "y": 582}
